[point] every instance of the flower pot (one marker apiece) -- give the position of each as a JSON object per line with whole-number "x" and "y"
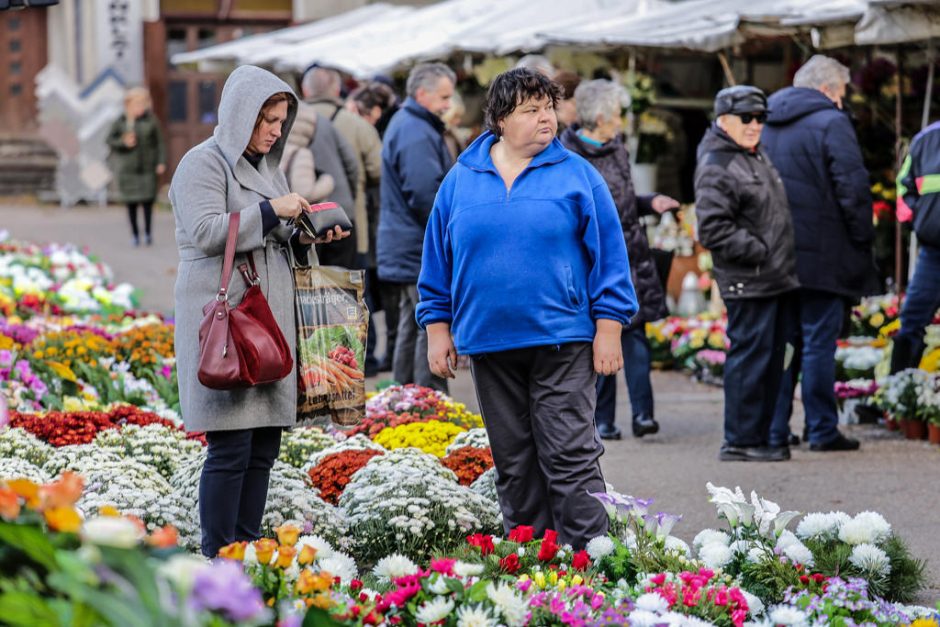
{"x": 933, "y": 433}
{"x": 902, "y": 426}
{"x": 890, "y": 423}
{"x": 916, "y": 430}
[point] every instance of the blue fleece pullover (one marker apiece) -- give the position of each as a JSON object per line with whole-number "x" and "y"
{"x": 533, "y": 265}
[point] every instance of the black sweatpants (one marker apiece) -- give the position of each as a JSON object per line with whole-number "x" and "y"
{"x": 148, "y": 217}
{"x": 233, "y": 488}
{"x": 538, "y": 406}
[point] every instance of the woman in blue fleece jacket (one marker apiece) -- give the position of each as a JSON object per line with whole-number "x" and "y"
{"x": 525, "y": 270}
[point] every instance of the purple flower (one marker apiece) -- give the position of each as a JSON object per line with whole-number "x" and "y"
{"x": 167, "y": 371}
{"x": 225, "y": 588}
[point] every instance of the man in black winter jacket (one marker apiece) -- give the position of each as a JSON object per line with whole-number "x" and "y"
{"x": 743, "y": 219}
{"x": 811, "y": 142}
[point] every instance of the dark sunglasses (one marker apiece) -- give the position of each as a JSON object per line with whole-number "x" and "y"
{"x": 747, "y": 118}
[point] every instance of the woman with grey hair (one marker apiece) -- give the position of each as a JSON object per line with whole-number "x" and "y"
{"x": 598, "y": 138}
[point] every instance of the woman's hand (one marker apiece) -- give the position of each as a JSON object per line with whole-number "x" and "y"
{"x": 331, "y": 236}
{"x": 442, "y": 355}
{"x": 663, "y": 203}
{"x": 129, "y": 138}
{"x": 289, "y": 206}
{"x": 608, "y": 355}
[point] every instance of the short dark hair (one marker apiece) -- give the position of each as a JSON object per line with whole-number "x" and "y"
{"x": 568, "y": 81}
{"x": 510, "y": 89}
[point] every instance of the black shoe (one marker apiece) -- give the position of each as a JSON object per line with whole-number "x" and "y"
{"x": 135, "y": 242}
{"x": 643, "y": 424}
{"x": 385, "y": 365}
{"x": 730, "y": 453}
{"x": 794, "y": 439}
{"x": 839, "y": 443}
{"x": 608, "y": 432}
{"x": 149, "y": 240}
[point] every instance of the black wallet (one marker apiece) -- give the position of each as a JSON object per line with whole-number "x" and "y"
{"x": 322, "y": 218}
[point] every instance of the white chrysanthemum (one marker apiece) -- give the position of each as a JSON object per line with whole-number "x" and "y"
{"x": 651, "y": 602}
{"x": 788, "y": 616}
{"x": 754, "y": 605}
{"x": 677, "y": 619}
{"x": 715, "y": 555}
{"x": 115, "y": 531}
{"x": 181, "y": 569}
{"x": 340, "y": 565}
{"x": 710, "y": 536}
{"x": 511, "y": 604}
{"x": 856, "y": 532}
{"x": 475, "y": 616}
{"x": 871, "y": 559}
{"x": 756, "y": 554}
{"x": 879, "y": 527}
{"x": 819, "y": 526}
{"x": 600, "y": 547}
{"x": 786, "y": 539}
{"x": 323, "y": 548}
{"x": 799, "y": 554}
{"x": 438, "y": 585}
{"x": 644, "y": 618}
{"x": 434, "y": 610}
{"x": 466, "y": 569}
{"x": 740, "y": 546}
{"x": 679, "y": 546}
{"x": 394, "y": 566}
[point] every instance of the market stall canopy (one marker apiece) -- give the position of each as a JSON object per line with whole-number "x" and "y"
{"x": 364, "y": 43}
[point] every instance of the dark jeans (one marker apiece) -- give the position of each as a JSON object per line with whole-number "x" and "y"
{"x": 758, "y": 329}
{"x": 233, "y": 488}
{"x": 920, "y": 304}
{"x": 636, "y": 370}
{"x": 148, "y": 217}
{"x": 538, "y": 405}
{"x": 814, "y": 340}
{"x": 410, "y": 362}
{"x": 391, "y": 294}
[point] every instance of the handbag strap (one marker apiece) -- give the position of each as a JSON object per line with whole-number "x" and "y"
{"x": 229, "y": 258}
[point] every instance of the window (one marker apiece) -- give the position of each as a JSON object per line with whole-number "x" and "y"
{"x": 16, "y": 89}
{"x": 175, "y": 43}
{"x": 15, "y": 45}
{"x": 207, "y": 37}
{"x": 207, "y": 113}
{"x": 13, "y": 23}
{"x": 16, "y": 67}
{"x": 178, "y": 101}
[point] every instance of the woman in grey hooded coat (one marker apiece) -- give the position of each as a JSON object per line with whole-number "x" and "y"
{"x": 236, "y": 171}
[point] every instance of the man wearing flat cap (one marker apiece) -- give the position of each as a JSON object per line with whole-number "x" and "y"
{"x": 744, "y": 220}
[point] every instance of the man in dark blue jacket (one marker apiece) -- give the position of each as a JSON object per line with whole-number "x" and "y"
{"x": 811, "y": 142}
{"x": 414, "y": 162}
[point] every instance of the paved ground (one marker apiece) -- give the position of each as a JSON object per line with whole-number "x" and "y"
{"x": 889, "y": 475}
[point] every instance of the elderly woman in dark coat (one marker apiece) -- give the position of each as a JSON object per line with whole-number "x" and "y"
{"x": 597, "y": 137}
{"x": 236, "y": 171}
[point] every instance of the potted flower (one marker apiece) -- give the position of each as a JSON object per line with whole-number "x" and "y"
{"x": 928, "y": 408}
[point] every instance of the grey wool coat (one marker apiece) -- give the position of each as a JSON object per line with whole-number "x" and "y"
{"x": 212, "y": 181}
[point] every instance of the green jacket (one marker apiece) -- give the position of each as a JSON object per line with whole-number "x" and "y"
{"x": 135, "y": 168}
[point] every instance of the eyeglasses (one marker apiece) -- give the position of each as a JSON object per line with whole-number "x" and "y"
{"x": 747, "y": 118}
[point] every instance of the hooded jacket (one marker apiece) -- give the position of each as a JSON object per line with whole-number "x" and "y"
{"x": 414, "y": 162}
{"x": 533, "y": 265}
{"x": 613, "y": 162}
{"x": 743, "y": 219}
{"x": 919, "y": 186}
{"x": 298, "y": 163}
{"x": 814, "y": 148}
{"x": 212, "y": 181}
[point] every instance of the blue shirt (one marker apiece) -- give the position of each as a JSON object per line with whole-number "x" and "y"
{"x": 533, "y": 265}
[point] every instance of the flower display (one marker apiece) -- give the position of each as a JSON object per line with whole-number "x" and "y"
{"x": 431, "y": 437}
{"x": 297, "y": 445}
{"x": 468, "y": 463}
{"x": 331, "y": 475}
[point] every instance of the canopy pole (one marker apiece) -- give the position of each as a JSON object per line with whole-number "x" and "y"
{"x": 925, "y": 119}
{"x": 729, "y": 75}
{"x": 898, "y": 115}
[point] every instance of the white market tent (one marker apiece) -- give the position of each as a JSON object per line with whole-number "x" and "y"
{"x": 380, "y": 38}
{"x": 714, "y": 25}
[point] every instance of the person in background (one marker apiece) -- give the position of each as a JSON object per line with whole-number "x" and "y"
{"x": 376, "y": 102}
{"x": 811, "y": 142}
{"x": 453, "y": 134}
{"x": 322, "y": 88}
{"x": 566, "y": 109}
{"x": 526, "y": 271}
{"x": 919, "y": 201}
{"x": 236, "y": 171}
{"x": 744, "y": 220}
{"x": 537, "y": 62}
{"x": 298, "y": 163}
{"x": 597, "y": 136}
{"x": 138, "y": 157}
{"x": 414, "y": 162}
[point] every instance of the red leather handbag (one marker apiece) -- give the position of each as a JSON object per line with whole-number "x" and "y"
{"x": 240, "y": 346}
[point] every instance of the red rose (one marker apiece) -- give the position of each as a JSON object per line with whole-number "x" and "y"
{"x": 522, "y": 534}
{"x": 482, "y": 541}
{"x": 581, "y": 560}
{"x": 510, "y": 563}
{"x": 547, "y": 550}
{"x": 551, "y": 536}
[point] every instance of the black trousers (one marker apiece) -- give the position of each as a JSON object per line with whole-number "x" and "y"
{"x": 758, "y": 329}
{"x": 233, "y": 488}
{"x": 538, "y": 406}
{"x": 148, "y": 217}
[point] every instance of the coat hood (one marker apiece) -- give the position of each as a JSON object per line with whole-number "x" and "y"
{"x": 569, "y": 137}
{"x": 477, "y": 155}
{"x": 246, "y": 89}
{"x": 791, "y": 103}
